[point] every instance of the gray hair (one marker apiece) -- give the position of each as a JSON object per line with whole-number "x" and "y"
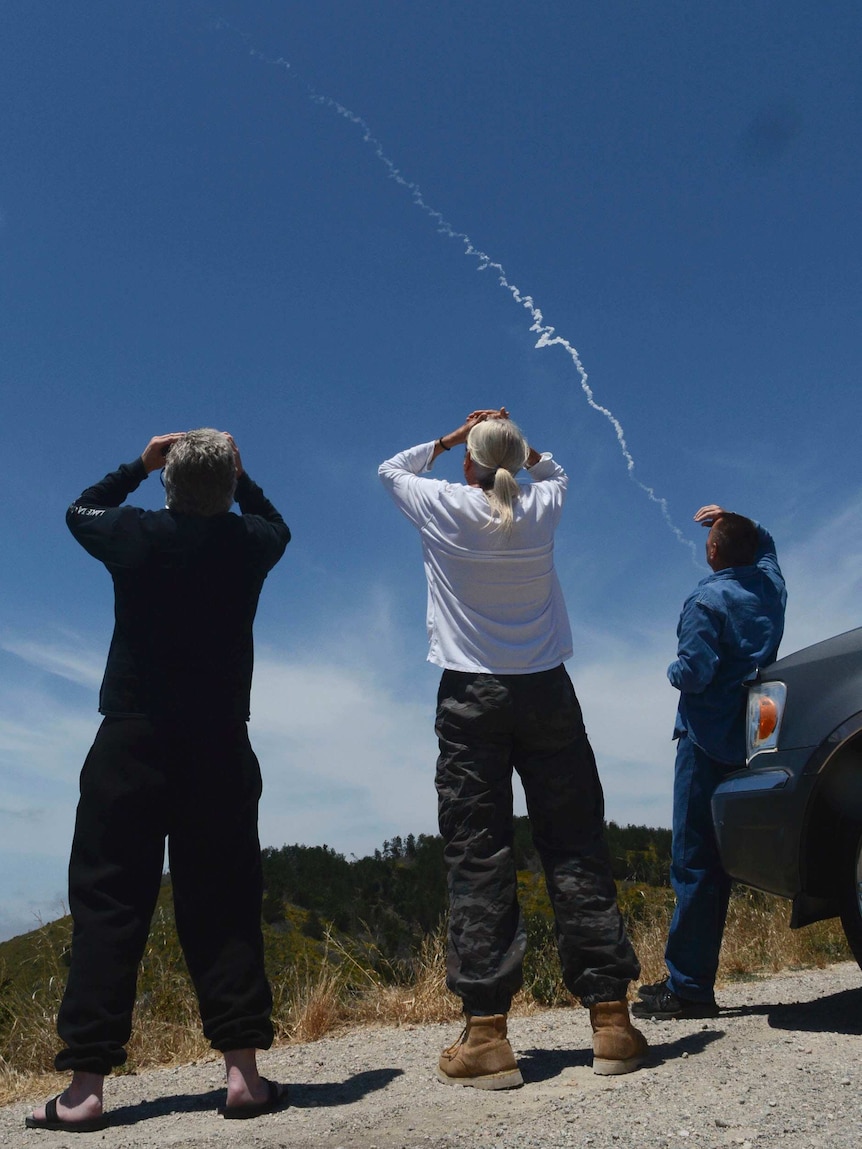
{"x": 200, "y": 473}
{"x": 498, "y": 450}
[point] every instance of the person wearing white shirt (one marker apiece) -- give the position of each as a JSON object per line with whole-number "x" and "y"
{"x": 499, "y": 630}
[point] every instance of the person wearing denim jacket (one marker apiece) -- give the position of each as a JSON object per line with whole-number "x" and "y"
{"x": 730, "y": 626}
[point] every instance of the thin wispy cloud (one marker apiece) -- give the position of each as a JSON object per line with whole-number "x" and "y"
{"x": 344, "y": 759}
{"x": 824, "y": 579}
{"x": 42, "y": 736}
{"x": 83, "y": 667}
{"x": 19, "y": 811}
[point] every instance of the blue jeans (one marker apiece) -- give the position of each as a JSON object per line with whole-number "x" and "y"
{"x": 701, "y": 886}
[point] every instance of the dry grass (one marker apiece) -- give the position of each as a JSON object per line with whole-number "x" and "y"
{"x": 166, "y": 1025}
{"x": 316, "y": 1007}
{"x": 757, "y": 939}
{"x": 418, "y": 997}
{"x": 30, "y": 1020}
{"x": 648, "y": 911}
{"x": 348, "y": 989}
{"x": 348, "y": 993}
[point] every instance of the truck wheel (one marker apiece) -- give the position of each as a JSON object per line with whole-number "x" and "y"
{"x": 851, "y": 889}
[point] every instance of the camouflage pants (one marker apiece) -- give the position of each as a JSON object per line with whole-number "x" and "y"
{"x": 487, "y": 725}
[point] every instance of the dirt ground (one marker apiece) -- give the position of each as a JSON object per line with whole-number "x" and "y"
{"x": 780, "y": 1067}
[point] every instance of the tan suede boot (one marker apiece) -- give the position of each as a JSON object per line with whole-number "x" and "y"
{"x": 481, "y": 1057}
{"x": 617, "y": 1046}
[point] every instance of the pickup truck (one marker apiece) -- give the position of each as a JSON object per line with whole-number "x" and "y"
{"x": 791, "y": 821}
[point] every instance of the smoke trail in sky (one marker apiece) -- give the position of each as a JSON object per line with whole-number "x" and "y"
{"x": 547, "y": 336}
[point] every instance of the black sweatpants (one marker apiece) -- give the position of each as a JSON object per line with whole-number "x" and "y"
{"x": 198, "y": 784}
{"x": 487, "y": 725}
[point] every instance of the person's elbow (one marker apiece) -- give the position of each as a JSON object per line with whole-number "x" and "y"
{"x": 281, "y": 537}
{"x": 687, "y": 678}
{"x": 77, "y": 518}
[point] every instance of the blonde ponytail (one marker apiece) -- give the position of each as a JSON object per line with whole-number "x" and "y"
{"x": 498, "y": 450}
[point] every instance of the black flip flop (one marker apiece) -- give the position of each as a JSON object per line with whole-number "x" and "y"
{"x": 58, "y": 1125}
{"x": 276, "y": 1099}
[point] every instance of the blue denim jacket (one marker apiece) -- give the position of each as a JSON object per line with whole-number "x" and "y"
{"x": 730, "y": 626}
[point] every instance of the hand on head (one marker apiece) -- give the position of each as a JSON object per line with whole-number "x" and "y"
{"x": 154, "y": 454}
{"x": 230, "y": 439}
{"x": 706, "y": 516}
{"x": 491, "y": 413}
{"x": 455, "y": 438}
{"x": 156, "y": 451}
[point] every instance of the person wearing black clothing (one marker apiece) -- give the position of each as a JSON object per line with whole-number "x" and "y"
{"x": 172, "y": 760}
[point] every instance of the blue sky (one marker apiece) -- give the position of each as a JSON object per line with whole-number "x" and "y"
{"x": 195, "y": 229}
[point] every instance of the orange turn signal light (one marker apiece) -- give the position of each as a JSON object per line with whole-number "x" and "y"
{"x": 768, "y": 719}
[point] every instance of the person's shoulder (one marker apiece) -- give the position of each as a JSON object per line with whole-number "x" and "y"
{"x": 727, "y": 589}
{"x": 155, "y": 518}
{"x": 712, "y": 592}
{"x": 156, "y": 526}
{"x": 442, "y": 489}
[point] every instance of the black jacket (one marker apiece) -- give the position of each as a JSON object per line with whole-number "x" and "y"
{"x": 186, "y": 589}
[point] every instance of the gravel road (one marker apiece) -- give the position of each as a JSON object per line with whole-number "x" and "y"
{"x": 780, "y": 1067}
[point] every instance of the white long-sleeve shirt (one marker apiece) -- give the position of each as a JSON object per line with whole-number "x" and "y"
{"x": 494, "y": 602}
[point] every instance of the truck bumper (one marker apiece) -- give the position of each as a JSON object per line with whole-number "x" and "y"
{"x": 759, "y": 815}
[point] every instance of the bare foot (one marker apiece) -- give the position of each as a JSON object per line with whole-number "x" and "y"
{"x": 81, "y": 1101}
{"x": 245, "y": 1086}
